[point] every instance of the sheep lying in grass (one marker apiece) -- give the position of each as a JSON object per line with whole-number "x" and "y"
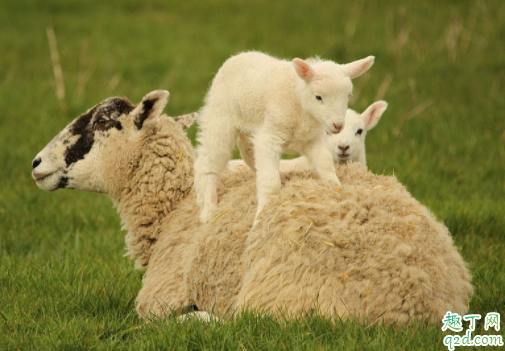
{"x": 368, "y": 251}
{"x": 346, "y": 146}
{"x": 272, "y": 106}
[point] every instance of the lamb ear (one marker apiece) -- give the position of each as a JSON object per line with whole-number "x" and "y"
{"x": 357, "y": 68}
{"x": 151, "y": 106}
{"x": 303, "y": 69}
{"x": 373, "y": 113}
{"x": 186, "y": 121}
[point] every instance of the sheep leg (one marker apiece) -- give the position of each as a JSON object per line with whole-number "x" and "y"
{"x": 246, "y": 150}
{"x": 217, "y": 139}
{"x": 320, "y": 159}
{"x": 267, "y": 154}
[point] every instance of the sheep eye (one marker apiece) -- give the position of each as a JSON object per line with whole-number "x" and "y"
{"x": 100, "y": 123}
{"x": 319, "y": 97}
{"x": 359, "y": 131}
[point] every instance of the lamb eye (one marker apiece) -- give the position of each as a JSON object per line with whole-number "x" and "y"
{"x": 319, "y": 97}
{"x": 359, "y": 131}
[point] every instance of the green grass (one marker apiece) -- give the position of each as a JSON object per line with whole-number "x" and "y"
{"x": 63, "y": 281}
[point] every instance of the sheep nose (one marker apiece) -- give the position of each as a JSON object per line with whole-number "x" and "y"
{"x": 338, "y": 127}
{"x": 343, "y": 147}
{"x": 36, "y": 162}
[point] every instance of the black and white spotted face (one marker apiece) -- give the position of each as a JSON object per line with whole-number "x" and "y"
{"x": 74, "y": 159}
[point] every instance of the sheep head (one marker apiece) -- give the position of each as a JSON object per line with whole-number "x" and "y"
{"x": 349, "y": 144}
{"x": 325, "y": 88}
{"x": 93, "y": 152}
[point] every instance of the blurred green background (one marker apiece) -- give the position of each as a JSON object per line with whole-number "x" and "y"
{"x": 439, "y": 65}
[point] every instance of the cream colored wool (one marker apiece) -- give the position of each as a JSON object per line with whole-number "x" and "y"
{"x": 367, "y": 250}
{"x": 155, "y": 183}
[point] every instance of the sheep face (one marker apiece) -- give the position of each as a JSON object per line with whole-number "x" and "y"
{"x": 325, "y": 88}
{"x": 349, "y": 144}
{"x": 93, "y": 150}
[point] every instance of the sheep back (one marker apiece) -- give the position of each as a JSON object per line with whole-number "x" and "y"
{"x": 367, "y": 250}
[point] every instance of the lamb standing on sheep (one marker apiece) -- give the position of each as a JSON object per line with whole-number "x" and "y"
{"x": 346, "y": 146}
{"x": 276, "y": 106}
{"x": 368, "y": 251}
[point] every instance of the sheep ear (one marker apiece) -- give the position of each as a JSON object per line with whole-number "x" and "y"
{"x": 357, "y": 68}
{"x": 303, "y": 69}
{"x": 151, "y": 106}
{"x": 186, "y": 121}
{"x": 373, "y": 113}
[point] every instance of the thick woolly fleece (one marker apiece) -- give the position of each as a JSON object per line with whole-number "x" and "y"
{"x": 367, "y": 250}
{"x": 155, "y": 180}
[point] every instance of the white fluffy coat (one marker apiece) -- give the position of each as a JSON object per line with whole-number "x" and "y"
{"x": 271, "y": 106}
{"x": 346, "y": 146}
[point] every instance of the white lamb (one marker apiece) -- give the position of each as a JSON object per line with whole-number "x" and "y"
{"x": 269, "y": 106}
{"x": 349, "y": 144}
{"x": 346, "y": 146}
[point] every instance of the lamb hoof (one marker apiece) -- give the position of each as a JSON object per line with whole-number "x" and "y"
{"x": 256, "y": 217}
{"x": 333, "y": 179}
{"x": 208, "y": 213}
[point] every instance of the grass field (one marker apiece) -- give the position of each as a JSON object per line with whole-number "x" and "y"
{"x": 440, "y": 64}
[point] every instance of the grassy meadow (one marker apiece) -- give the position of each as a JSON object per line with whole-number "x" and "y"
{"x": 64, "y": 283}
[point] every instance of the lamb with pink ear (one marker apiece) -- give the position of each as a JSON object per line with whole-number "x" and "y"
{"x": 346, "y": 146}
{"x": 349, "y": 144}
{"x": 268, "y": 106}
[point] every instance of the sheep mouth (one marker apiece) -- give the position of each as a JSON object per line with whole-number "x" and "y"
{"x": 332, "y": 130}
{"x": 49, "y": 181}
{"x": 39, "y": 177}
{"x": 343, "y": 156}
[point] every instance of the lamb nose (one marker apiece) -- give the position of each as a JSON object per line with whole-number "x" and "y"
{"x": 36, "y": 162}
{"x": 343, "y": 148}
{"x": 338, "y": 127}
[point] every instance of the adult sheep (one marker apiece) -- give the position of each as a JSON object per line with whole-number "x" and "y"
{"x": 367, "y": 250}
